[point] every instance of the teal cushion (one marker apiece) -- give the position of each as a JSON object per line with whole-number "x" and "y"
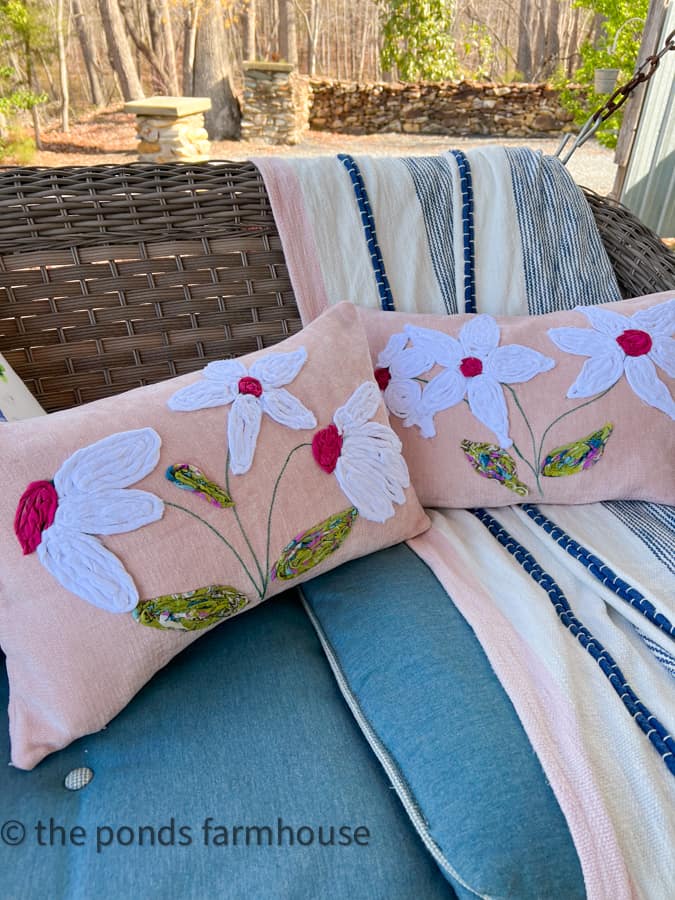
{"x": 246, "y": 727}
{"x": 445, "y": 730}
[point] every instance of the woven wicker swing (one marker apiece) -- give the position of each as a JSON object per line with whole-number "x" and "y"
{"x": 113, "y": 277}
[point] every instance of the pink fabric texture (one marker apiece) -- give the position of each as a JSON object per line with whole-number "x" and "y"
{"x": 73, "y": 666}
{"x": 571, "y": 407}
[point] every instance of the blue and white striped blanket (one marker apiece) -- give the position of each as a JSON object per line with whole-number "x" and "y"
{"x": 589, "y": 666}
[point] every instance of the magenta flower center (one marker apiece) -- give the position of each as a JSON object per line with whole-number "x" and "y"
{"x": 326, "y": 448}
{"x": 249, "y": 385}
{"x": 35, "y": 513}
{"x": 634, "y": 342}
{"x": 383, "y": 377}
{"x": 471, "y": 366}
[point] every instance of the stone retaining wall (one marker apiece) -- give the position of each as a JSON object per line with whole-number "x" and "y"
{"x": 276, "y": 103}
{"x": 464, "y": 108}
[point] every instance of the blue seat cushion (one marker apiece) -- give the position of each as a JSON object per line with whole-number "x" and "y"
{"x": 432, "y": 708}
{"x": 246, "y": 727}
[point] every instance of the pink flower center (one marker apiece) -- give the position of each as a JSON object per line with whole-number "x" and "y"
{"x": 326, "y": 448}
{"x": 383, "y": 377}
{"x": 249, "y": 385}
{"x": 634, "y": 342}
{"x": 35, "y": 512}
{"x": 471, "y": 366}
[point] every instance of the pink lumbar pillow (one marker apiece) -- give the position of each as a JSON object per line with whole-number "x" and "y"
{"x": 132, "y": 524}
{"x": 570, "y": 407}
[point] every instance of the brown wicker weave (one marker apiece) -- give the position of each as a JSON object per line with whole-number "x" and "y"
{"x": 116, "y": 276}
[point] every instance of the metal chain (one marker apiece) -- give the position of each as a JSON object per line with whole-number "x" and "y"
{"x": 617, "y": 99}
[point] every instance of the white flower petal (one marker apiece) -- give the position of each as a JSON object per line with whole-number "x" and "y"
{"x": 663, "y": 353}
{"x": 442, "y": 392}
{"x": 361, "y": 406}
{"x": 225, "y": 371}
{"x": 82, "y": 565}
{"x": 243, "y": 427}
{"x": 479, "y": 336}
{"x": 395, "y": 344}
{"x": 112, "y": 511}
{"x": 513, "y": 364}
{"x": 365, "y": 488}
{"x": 659, "y": 319}
{"x": 402, "y": 397}
{"x": 598, "y": 374}
{"x": 582, "y": 341}
{"x": 286, "y": 409}
{"x": 487, "y": 403}
{"x": 203, "y": 394}
{"x": 641, "y": 376}
{"x": 113, "y": 462}
{"x": 412, "y": 362}
{"x": 605, "y": 321}
{"x": 278, "y": 369}
{"x": 445, "y": 350}
{"x": 372, "y": 472}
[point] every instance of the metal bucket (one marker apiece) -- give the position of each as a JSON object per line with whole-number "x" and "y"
{"x": 604, "y": 80}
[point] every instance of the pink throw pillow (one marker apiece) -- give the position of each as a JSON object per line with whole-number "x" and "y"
{"x": 570, "y": 407}
{"x": 130, "y": 525}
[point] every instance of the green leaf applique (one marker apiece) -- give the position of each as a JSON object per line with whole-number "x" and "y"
{"x": 190, "y": 478}
{"x": 313, "y": 546}
{"x": 191, "y": 610}
{"x": 570, "y": 459}
{"x": 491, "y": 461}
{"x": 3, "y": 377}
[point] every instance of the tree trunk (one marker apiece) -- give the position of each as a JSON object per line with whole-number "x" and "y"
{"x": 524, "y": 41}
{"x": 212, "y": 75}
{"x": 63, "y": 68}
{"x": 249, "y": 30}
{"x": 162, "y": 43}
{"x": 86, "y": 40}
{"x": 288, "y": 44}
{"x": 119, "y": 51}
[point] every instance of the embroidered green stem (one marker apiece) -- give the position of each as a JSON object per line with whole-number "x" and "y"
{"x": 269, "y": 517}
{"x": 239, "y": 523}
{"x": 423, "y": 380}
{"x": 527, "y": 463}
{"x": 534, "y": 469}
{"x": 257, "y": 587}
{"x": 563, "y": 416}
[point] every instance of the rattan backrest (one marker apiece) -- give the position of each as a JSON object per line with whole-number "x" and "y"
{"x": 112, "y": 277}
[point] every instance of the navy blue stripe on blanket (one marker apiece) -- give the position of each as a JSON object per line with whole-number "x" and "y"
{"x": 432, "y": 178}
{"x": 601, "y": 570}
{"x": 467, "y": 226}
{"x": 667, "y": 660}
{"x": 658, "y": 736}
{"x": 361, "y": 194}
{"x": 565, "y": 261}
{"x": 652, "y": 523}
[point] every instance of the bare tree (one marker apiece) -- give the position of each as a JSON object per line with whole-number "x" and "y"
{"x": 288, "y": 44}
{"x": 63, "y": 67}
{"x": 119, "y": 50}
{"x": 212, "y": 73}
{"x": 88, "y": 49}
{"x": 250, "y": 30}
{"x": 163, "y": 45}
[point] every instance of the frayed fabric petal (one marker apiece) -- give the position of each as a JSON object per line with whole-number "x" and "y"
{"x": 513, "y": 364}
{"x": 243, "y": 427}
{"x": 225, "y": 371}
{"x": 486, "y": 399}
{"x": 606, "y": 321}
{"x": 113, "y": 462}
{"x": 479, "y": 336}
{"x": 659, "y": 319}
{"x": 287, "y": 410}
{"x": 204, "y": 394}
{"x": 641, "y": 376}
{"x": 402, "y": 398}
{"x": 83, "y": 566}
{"x": 113, "y": 511}
{"x": 663, "y": 354}
{"x": 597, "y": 374}
{"x": 361, "y": 406}
{"x": 278, "y": 369}
{"x": 394, "y": 345}
{"x": 581, "y": 341}
{"x": 444, "y": 349}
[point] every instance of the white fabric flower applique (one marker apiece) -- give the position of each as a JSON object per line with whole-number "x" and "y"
{"x": 89, "y": 496}
{"x": 617, "y": 345}
{"x": 364, "y": 456}
{"x": 251, "y": 392}
{"x": 475, "y": 367}
{"x": 398, "y": 371}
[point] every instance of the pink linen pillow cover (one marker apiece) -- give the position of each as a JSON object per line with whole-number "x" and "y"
{"x": 130, "y": 524}
{"x": 569, "y": 407}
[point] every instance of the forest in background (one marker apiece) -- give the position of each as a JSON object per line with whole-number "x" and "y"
{"x": 63, "y": 57}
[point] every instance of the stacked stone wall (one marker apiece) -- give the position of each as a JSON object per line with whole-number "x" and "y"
{"x": 464, "y": 108}
{"x": 276, "y": 104}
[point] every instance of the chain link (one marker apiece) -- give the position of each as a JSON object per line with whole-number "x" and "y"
{"x": 642, "y": 74}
